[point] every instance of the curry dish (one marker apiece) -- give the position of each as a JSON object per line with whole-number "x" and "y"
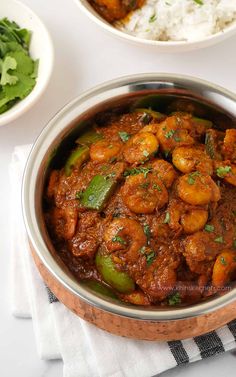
{"x": 144, "y": 208}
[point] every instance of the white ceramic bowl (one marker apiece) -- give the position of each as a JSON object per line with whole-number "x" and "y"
{"x": 161, "y": 46}
{"x": 40, "y": 48}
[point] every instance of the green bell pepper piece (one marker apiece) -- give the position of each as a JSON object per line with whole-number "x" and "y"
{"x": 204, "y": 122}
{"x": 89, "y": 137}
{"x": 99, "y": 288}
{"x": 76, "y": 159}
{"x": 152, "y": 113}
{"x": 98, "y": 191}
{"x": 119, "y": 280}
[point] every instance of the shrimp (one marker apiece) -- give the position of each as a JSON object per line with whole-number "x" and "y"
{"x": 174, "y": 131}
{"x": 224, "y": 268}
{"x": 64, "y": 222}
{"x": 194, "y": 220}
{"x": 198, "y": 189}
{"x": 164, "y": 171}
{"x": 143, "y": 194}
{"x": 140, "y": 147}
{"x": 53, "y": 183}
{"x": 85, "y": 242}
{"x": 152, "y": 128}
{"x": 226, "y": 171}
{"x": 229, "y": 145}
{"x": 159, "y": 279}
{"x": 200, "y": 251}
{"x": 190, "y": 158}
{"x": 183, "y": 216}
{"x": 104, "y": 150}
{"x": 125, "y": 235}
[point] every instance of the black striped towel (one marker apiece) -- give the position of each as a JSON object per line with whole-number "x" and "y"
{"x": 86, "y": 350}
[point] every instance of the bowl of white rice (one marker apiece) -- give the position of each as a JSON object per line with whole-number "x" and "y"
{"x": 171, "y": 25}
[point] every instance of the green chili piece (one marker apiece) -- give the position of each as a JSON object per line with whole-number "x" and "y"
{"x": 98, "y": 192}
{"x": 76, "y": 159}
{"x": 119, "y": 280}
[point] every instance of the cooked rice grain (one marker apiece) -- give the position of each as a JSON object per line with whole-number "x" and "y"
{"x": 179, "y": 20}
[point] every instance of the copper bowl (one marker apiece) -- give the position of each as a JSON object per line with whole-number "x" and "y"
{"x": 167, "y": 92}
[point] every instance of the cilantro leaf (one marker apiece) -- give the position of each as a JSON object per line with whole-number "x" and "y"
{"x": 18, "y": 71}
{"x": 174, "y": 299}
{"x": 21, "y": 89}
{"x": 139, "y": 170}
{"x": 6, "y": 65}
{"x": 209, "y": 228}
{"x": 119, "y": 239}
{"x": 222, "y": 171}
{"x": 124, "y": 136}
{"x": 167, "y": 218}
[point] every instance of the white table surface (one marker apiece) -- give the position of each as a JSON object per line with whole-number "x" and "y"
{"x": 86, "y": 56}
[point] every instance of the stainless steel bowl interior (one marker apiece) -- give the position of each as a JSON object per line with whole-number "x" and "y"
{"x": 162, "y": 92}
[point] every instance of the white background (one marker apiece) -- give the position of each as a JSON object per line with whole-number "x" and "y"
{"x": 86, "y": 56}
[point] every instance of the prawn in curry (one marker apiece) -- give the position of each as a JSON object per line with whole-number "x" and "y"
{"x": 145, "y": 205}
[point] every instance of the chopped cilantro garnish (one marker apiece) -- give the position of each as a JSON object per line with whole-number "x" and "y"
{"x": 174, "y": 299}
{"x": 143, "y": 250}
{"x": 199, "y": 2}
{"x": 209, "y": 228}
{"x": 124, "y": 136}
{"x": 144, "y": 185}
{"x": 169, "y": 134}
{"x": 192, "y": 177}
{"x": 167, "y": 218}
{"x": 145, "y": 153}
{"x": 156, "y": 187}
{"x": 119, "y": 239}
{"x": 135, "y": 171}
{"x": 223, "y": 261}
{"x": 150, "y": 257}
{"x": 147, "y": 231}
{"x": 177, "y": 138}
{"x": 223, "y": 171}
{"x": 219, "y": 239}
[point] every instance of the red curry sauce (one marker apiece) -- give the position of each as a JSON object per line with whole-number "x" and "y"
{"x": 146, "y": 205}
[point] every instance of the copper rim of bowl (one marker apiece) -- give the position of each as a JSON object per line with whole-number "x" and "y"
{"x": 37, "y": 163}
{"x": 163, "y": 45}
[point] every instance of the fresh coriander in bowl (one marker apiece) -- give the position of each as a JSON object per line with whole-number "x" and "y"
{"x": 26, "y": 59}
{"x": 18, "y": 71}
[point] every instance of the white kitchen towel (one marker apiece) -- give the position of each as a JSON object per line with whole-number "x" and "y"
{"x": 86, "y": 350}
